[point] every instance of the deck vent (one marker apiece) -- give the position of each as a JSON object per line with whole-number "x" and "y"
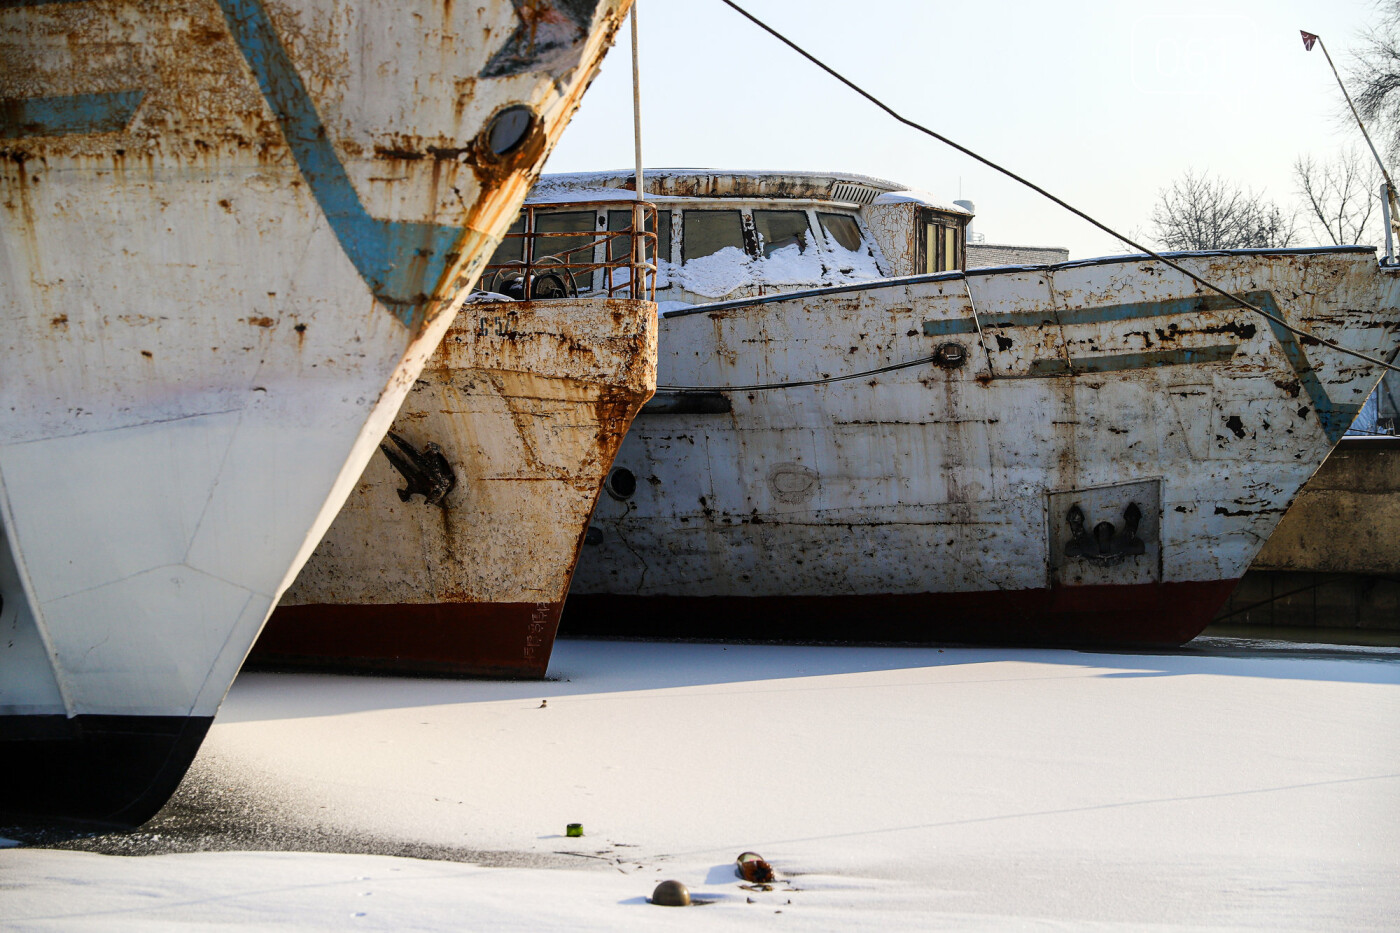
{"x": 858, "y": 194}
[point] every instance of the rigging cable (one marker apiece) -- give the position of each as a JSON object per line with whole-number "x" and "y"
{"x": 1034, "y": 187}
{"x": 803, "y": 382}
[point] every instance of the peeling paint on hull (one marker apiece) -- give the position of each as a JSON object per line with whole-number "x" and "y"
{"x": 231, "y": 233}
{"x": 529, "y": 402}
{"x": 1113, "y": 437}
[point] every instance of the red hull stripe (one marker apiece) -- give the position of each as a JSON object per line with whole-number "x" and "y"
{"x": 515, "y": 639}
{"x": 1152, "y": 614}
{"x": 473, "y": 639}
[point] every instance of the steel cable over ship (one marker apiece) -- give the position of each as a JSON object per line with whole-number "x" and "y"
{"x": 233, "y": 231}
{"x": 1083, "y": 453}
{"x": 454, "y": 553}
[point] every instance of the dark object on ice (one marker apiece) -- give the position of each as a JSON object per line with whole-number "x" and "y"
{"x": 671, "y": 894}
{"x": 753, "y": 869}
{"x": 427, "y": 472}
{"x": 574, "y": 829}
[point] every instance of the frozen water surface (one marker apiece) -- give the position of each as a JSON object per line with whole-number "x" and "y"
{"x": 1230, "y": 786}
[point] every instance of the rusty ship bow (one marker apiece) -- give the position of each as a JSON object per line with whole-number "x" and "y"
{"x": 454, "y": 553}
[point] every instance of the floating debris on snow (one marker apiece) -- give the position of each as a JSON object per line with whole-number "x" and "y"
{"x": 753, "y": 869}
{"x": 671, "y": 894}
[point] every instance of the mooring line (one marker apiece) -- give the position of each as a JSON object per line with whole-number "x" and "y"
{"x": 1041, "y": 191}
{"x": 921, "y": 361}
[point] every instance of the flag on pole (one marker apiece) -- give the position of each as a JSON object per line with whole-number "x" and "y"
{"x": 1308, "y": 40}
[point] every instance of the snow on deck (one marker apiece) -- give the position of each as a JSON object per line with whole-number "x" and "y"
{"x": 891, "y": 788}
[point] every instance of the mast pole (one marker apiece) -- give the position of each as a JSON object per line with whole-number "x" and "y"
{"x": 636, "y": 104}
{"x": 639, "y": 258}
{"x": 1354, "y": 113}
{"x": 1389, "y": 204}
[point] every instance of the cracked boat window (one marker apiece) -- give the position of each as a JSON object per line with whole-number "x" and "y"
{"x": 707, "y": 232}
{"x": 621, "y": 220}
{"x": 841, "y": 228}
{"x": 576, "y": 251}
{"x": 777, "y": 229}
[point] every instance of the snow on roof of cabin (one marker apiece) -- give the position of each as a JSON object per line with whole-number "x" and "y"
{"x": 726, "y": 183}
{"x": 919, "y": 196}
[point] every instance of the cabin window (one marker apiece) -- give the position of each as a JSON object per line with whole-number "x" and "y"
{"x": 511, "y": 248}
{"x": 621, "y": 220}
{"x": 573, "y": 250}
{"x": 939, "y": 244}
{"x": 779, "y": 229}
{"x": 841, "y": 228}
{"x": 707, "y": 232}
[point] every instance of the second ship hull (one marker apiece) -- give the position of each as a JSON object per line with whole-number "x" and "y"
{"x": 1093, "y": 455}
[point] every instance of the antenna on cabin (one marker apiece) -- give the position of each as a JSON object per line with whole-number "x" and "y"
{"x": 636, "y": 104}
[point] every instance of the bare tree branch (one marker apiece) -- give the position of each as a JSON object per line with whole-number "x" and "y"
{"x": 1342, "y": 197}
{"x": 1199, "y": 212}
{"x": 1376, "y": 75}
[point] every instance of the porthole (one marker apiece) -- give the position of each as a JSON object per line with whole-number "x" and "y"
{"x": 621, "y": 484}
{"x": 950, "y": 355}
{"x": 508, "y": 129}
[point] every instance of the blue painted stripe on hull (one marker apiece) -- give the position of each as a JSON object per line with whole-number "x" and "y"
{"x": 1334, "y": 417}
{"x": 1119, "y": 362}
{"x": 1101, "y": 314}
{"x": 24, "y": 117}
{"x": 950, "y": 327}
{"x": 1129, "y": 311}
{"x": 401, "y": 261}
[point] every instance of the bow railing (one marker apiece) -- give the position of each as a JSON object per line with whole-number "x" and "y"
{"x": 535, "y": 261}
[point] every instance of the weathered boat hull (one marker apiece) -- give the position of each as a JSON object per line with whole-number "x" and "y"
{"x": 1334, "y": 560}
{"x": 1099, "y": 458}
{"x": 529, "y": 402}
{"x": 232, "y": 234}
{"x": 1344, "y": 518}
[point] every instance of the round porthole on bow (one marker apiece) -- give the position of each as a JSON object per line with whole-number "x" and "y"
{"x": 508, "y": 129}
{"x": 950, "y": 355}
{"x": 621, "y": 484}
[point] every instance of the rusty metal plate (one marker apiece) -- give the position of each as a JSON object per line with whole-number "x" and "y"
{"x": 1094, "y": 539}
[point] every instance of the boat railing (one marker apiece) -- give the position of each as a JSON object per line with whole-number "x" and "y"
{"x": 555, "y": 264}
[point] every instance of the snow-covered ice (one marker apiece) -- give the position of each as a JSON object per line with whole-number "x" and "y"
{"x": 891, "y": 788}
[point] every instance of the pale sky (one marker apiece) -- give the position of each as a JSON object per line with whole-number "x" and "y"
{"x": 1101, "y": 103}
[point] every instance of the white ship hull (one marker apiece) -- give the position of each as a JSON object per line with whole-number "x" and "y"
{"x": 933, "y": 503}
{"x": 231, "y": 233}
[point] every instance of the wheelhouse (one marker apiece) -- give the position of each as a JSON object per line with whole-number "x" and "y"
{"x": 710, "y": 236}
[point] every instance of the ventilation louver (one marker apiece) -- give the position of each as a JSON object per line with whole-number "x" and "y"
{"x": 856, "y": 194}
